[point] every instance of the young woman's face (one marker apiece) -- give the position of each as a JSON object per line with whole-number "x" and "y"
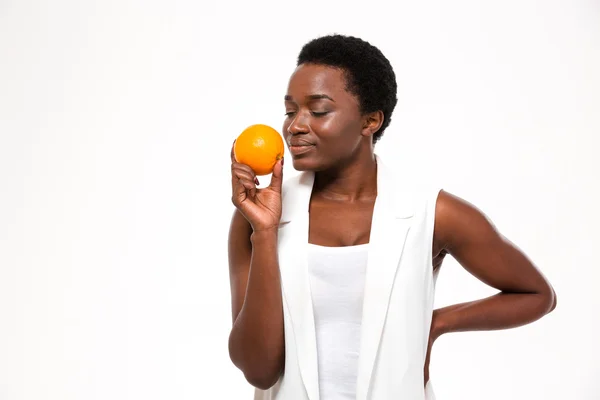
{"x": 323, "y": 124}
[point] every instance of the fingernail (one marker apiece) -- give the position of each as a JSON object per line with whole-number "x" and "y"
{"x": 256, "y": 181}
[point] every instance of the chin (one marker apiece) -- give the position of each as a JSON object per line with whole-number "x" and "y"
{"x": 306, "y": 164}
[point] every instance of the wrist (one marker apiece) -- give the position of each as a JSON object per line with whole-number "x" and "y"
{"x": 439, "y": 324}
{"x": 264, "y": 234}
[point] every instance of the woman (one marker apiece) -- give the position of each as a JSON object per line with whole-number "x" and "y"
{"x": 333, "y": 272}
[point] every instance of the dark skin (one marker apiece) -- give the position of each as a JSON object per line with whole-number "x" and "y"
{"x": 326, "y": 133}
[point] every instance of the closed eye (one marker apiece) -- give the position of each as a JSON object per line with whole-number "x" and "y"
{"x": 313, "y": 113}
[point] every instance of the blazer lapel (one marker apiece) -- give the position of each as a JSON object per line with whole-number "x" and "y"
{"x": 389, "y": 229}
{"x": 293, "y": 247}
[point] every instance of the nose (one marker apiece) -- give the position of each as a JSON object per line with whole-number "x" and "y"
{"x": 298, "y": 125}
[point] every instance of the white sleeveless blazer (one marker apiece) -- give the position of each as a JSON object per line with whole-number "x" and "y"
{"x": 398, "y": 295}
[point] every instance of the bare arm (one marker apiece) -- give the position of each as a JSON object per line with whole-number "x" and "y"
{"x": 256, "y": 341}
{"x": 525, "y": 295}
{"x": 464, "y": 232}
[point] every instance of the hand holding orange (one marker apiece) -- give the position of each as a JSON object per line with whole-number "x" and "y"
{"x": 257, "y": 151}
{"x": 260, "y": 147}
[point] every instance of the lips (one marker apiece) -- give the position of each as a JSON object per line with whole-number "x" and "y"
{"x": 299, "y": 146}
{"x": 298, "y": 143}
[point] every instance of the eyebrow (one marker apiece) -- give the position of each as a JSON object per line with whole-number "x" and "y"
{"x": 311, "y": 97}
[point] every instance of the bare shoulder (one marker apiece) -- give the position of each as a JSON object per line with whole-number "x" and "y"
{"x": 465, "y": 232}
{"x": 458, "y": 221}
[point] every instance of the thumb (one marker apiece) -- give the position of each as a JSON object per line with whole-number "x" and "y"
{"x": 277, "y": 176}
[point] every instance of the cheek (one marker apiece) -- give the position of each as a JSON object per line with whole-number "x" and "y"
{"x": 284, "y": 128}
{"x": 337, "y": 129}
{"x": 328, "y": 127}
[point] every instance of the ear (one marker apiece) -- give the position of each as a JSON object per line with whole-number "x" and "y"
{"x": 372, "y": 122}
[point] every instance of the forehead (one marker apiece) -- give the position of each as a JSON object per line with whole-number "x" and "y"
{"x": 309, "y": 79}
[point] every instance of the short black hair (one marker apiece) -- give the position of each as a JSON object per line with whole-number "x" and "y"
{"x": 369, "y": 74}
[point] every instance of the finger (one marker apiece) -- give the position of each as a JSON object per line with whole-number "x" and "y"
{"x": 243, "y": 189}
{"x": 242, "y": 173}
{"x": 238, "y": 171}
{"x": 247, "y": 184}
{"x": 233, "y": 160}
{"x": 277, "y": 176}
{"x": 243, "y": 167}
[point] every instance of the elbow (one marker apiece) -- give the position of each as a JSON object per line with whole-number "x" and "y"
{"x": 546, "y": 301}
{"x": 553, "y": 300}
{"x": 258, "y": 370}
{"x": 263, "y": 376}
{"x": 262, "y": 380}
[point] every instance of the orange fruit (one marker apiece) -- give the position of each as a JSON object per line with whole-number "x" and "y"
{"x": 259, "y": 146}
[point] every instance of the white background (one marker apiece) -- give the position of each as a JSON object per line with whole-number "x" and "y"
{"x": 116, "y": 121}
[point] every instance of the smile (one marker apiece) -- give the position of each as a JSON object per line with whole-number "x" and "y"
{"x": 295, "y": 150}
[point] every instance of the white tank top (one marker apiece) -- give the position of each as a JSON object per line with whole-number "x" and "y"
{"x": 337, "y": 280}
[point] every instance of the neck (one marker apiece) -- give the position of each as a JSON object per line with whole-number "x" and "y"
{"x": 356, "y": 180}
